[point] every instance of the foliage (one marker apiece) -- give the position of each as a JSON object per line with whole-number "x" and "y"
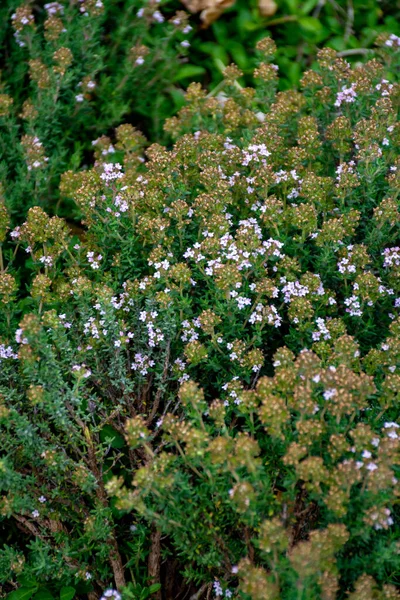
{"x": 200, "y": 390}
{"x": 71, "y": 72}
{"x": 298, "y": 28}
{"x": 75, "y": 70}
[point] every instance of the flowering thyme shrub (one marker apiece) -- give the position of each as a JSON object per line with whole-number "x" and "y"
{"x": 70, "y": 72}
{"x": 202, "y": 391}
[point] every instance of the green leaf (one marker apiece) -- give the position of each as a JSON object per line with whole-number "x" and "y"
{"x": 308, "y": 6}
{"x": 246, "y": 22}
{"x": 220, "y": 32}
{"x": 177, "y": 96}
{"x": 109, "y": 432}
{"x": 310, "y": 24}
{"x": 27, "y": 582}
{"x": 154, "y": 588}
{"x": 67, "y": 593}
{"x": 216, "y": 51}
{"x": 23, "y": 593}
{"x": 294, "y": 72}
{"x": 43, "y": 594}
{"x": 189, "y": 71}
{"x": 239, "y": 54}
{"x": 293, "y": 6}
{"x": 337, "y": 43}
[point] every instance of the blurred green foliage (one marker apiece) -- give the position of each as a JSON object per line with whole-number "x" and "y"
{"x": 298, "y": 28}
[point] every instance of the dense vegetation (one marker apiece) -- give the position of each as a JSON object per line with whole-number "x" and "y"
{"x": 73, "y": 71}
{"x": 198, "y": 367}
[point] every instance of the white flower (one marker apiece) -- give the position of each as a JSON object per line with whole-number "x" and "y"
{"x": 242, "y": 301}
{"x": 217, "y": 587}
{"x": 158, "y": 17}
{"x": 371, "y": 466}
{"x": 328, "y": 394}
{"x": 346, "y": 95}
{"x": 7, "y": 352}
{"x": 110, "y": 593}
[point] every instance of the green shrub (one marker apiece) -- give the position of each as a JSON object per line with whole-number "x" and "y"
{"x": 73, "y": 71}
{"x": 204, "y": 384}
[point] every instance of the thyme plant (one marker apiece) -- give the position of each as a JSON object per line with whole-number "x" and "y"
{"x": 199, "y": 392}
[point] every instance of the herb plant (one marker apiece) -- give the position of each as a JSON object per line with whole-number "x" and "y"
{"x": 199, "y": 388}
